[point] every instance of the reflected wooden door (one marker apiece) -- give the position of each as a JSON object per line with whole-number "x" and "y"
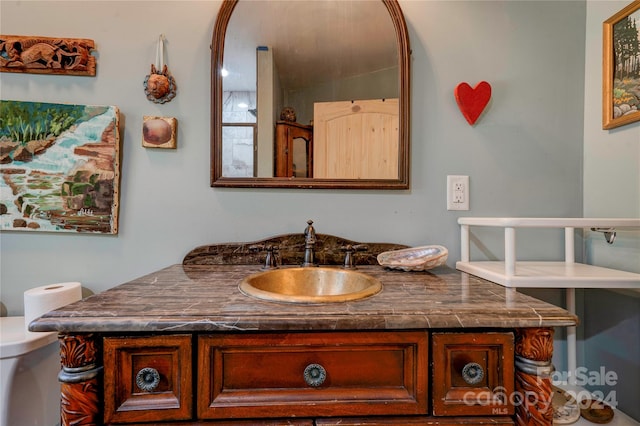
{"x": 356, "y": 139}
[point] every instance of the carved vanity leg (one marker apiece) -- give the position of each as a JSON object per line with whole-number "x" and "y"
{"x": 80, "y": 380}
{"x": 534, "y": 348}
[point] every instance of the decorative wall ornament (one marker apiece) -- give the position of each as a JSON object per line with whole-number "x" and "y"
{"x": 621, "y": 68}
{"x": 60, "y": 167}
{"x": 160, "y": 86}
{"x": 472, "y": 101}
{"x": 47, "y": 55}
{"x": 159, "y": 132}
{"x": 288, "y": 114}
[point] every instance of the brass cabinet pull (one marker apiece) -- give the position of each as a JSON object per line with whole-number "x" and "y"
{"x": 148, "y": 379}
{"x": 315, "y": 375}
{"x": 472, "y": 373}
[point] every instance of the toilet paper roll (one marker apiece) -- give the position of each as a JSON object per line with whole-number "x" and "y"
{"x": 40, "y": 300}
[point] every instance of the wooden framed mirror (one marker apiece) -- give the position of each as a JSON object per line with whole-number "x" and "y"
{"x": 311, "y": 94}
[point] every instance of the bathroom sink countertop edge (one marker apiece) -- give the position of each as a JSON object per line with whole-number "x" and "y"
{"x": 191, "y": 298}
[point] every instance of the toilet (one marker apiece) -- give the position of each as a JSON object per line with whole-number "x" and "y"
{"x": 29, "y": 367}
{"x": 30, "y": 361}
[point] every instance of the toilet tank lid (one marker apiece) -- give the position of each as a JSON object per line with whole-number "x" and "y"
{"x": 16, "y": 340}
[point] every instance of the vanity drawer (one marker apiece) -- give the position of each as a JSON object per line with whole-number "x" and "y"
{"x": 147, "y": 378}
{"x": 473, "y": 374}
{"x": 312, "y": 374}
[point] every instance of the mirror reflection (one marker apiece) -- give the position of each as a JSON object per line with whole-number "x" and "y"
{"x": 311, "y": 90}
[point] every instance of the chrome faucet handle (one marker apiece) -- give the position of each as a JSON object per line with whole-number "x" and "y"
{"x": 350, "y": 249}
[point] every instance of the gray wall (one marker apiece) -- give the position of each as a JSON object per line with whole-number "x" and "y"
{"x": 524, "y": 156}
{"x": 376, "y": 85}
{"x": 610, "y": 333}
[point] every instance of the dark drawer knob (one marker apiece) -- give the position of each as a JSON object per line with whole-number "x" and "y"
{"x": 148, "y": 379}
{"x": 472, "y": 373}
{"x": 315, "y": 375}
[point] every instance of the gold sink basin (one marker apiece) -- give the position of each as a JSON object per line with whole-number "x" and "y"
{"x": 310, "y": 285}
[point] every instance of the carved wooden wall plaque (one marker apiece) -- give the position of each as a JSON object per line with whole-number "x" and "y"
{"x": 47, "y": 55}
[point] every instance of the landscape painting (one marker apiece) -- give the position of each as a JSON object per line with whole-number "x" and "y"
{"x": 621, "y": 67}
{"x": 60, "y": 167}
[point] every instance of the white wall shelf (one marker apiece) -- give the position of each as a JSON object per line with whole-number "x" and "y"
{"x": 552, "y": 275}
{"x": 565, "y": 274}
{"x": 558, "y": 274}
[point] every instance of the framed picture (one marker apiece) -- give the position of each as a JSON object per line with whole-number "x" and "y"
{"x": 60, "y": 167}
{"x": 159, "y": 132}
{"x": 621, "y": 68}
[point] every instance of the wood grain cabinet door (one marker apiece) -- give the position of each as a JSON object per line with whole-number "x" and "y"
{"x": 473, "y": 374}
{"x": 147, "y": 378}
{"x": 312, "y": 374}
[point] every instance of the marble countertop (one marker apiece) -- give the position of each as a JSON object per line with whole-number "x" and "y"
{"x": 192, "y": 298}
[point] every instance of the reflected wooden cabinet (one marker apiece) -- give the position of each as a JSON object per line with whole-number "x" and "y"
{"x": 293, "y": 150}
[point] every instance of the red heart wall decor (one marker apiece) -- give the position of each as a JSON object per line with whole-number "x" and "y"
{"x": 472, "y": 101}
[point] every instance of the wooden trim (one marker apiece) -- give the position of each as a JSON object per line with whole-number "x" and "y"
{"x": 217, "y": 53}
{"x": 534, "y": 346}
{"x": 81, "y": 380}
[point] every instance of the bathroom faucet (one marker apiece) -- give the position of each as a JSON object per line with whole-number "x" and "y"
{"x": 271, "y": 259}
{"x": 349, "y": 252}
{"x": 309, "y": 244}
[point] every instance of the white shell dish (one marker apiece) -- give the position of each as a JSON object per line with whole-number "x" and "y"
{"x": 415, "y": 258}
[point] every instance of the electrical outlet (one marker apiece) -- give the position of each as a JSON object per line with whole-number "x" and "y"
{"x": 457, "y": 192}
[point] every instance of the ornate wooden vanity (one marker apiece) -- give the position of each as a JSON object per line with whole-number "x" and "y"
{"x": 183, "y": 346}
